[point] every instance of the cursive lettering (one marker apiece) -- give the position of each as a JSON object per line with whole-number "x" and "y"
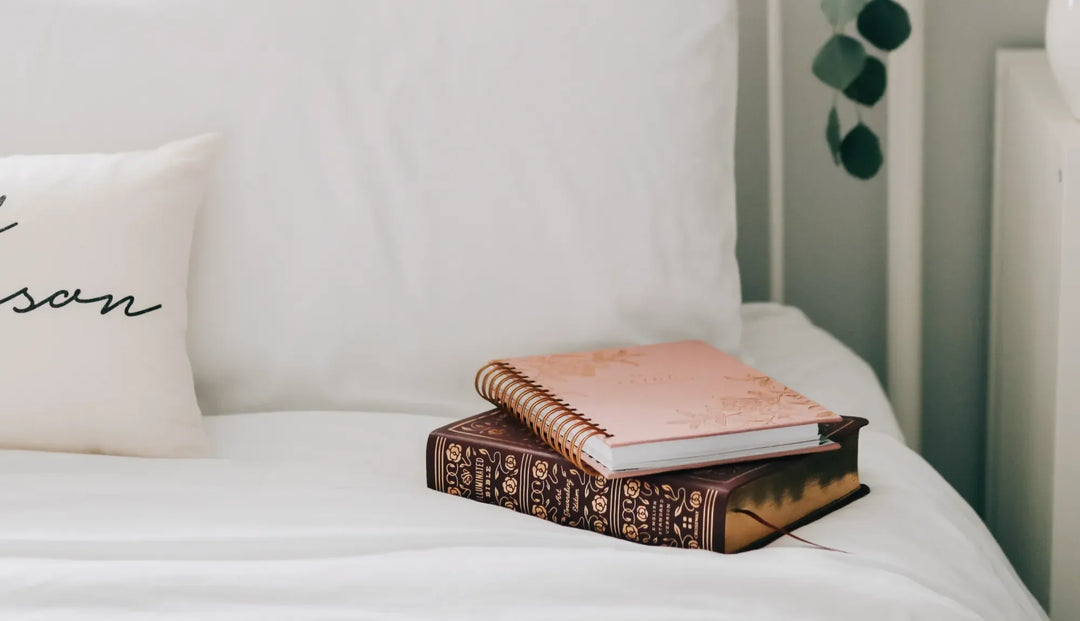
{"x": 13, "y": 224}
{"x": 63, "y": 297}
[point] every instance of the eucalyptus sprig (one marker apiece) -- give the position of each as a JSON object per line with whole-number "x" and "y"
{"x": 844, "y": 65}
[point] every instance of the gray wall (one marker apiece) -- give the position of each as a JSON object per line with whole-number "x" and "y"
{"x": 835, "y": 226}
{"x": 961, "y": 38}
{"x": 752, "y": 155}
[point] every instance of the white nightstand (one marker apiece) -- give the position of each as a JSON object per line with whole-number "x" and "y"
{"x": 1033, "y": 451}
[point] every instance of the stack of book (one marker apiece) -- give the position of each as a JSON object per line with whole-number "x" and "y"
{"x": 677, "y": 444}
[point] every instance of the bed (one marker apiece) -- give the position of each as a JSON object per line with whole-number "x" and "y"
{"x": 311, "y": 515}
{"x": 364, "y": 249}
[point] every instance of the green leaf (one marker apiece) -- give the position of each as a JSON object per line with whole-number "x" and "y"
{"x": 840, "y": 12}
{"x": 861, "y": 152}
{"x": 839, "y": 61}
{"x": 832, "y": 135}
{"x": 869, "y": 86}
{"x": 885, "y": 24}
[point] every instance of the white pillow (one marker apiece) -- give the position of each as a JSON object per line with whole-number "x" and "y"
{"x": 413, "y": 188}
{"x": 93, "y": 304}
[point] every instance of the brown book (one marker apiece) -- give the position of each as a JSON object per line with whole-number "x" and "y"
{"x": 493, "y": 458}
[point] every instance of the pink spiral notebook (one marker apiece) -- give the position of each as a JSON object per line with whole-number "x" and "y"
{"x": 654, "y": 408}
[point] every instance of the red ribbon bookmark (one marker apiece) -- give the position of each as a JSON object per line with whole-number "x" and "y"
{"x": 782, "y": 531}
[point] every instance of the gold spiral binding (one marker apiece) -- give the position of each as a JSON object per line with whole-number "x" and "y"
{"x": 561, "y": 427}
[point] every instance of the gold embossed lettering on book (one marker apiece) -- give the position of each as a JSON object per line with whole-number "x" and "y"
{"x": 493, "y": 458}
{"x": 655, "y": 408}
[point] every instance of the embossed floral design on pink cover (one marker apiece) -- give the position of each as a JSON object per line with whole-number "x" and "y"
{"x": 670, "y": 391}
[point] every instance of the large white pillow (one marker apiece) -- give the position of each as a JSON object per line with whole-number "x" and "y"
{"x": 412, "y": 188}
{"x": 93, "y": 304}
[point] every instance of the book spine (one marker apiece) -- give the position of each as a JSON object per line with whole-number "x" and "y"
{"x": 665, "y": 511}
{"x": 556, "y": 423}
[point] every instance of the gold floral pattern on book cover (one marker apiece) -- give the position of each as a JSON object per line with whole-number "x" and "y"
{"x": 584, "y": 364}
{"x": 640, "y": 510}
{"x": 768, "y": 402}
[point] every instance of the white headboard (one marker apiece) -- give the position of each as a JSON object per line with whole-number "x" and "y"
{"x": 904, "y": 169}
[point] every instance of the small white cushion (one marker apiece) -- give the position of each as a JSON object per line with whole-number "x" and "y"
{"x": 93, "y": 303}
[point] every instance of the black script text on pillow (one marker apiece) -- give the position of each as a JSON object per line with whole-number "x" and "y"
{"x": 13, "y": 224}
{"x": 63, "y": 297}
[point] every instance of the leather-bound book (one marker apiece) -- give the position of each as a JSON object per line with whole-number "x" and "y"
{"x": 493, "y": 458}
{"x": 653, "y": 408}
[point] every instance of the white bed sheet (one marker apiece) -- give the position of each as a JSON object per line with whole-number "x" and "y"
{"x": 325, "y": 515}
